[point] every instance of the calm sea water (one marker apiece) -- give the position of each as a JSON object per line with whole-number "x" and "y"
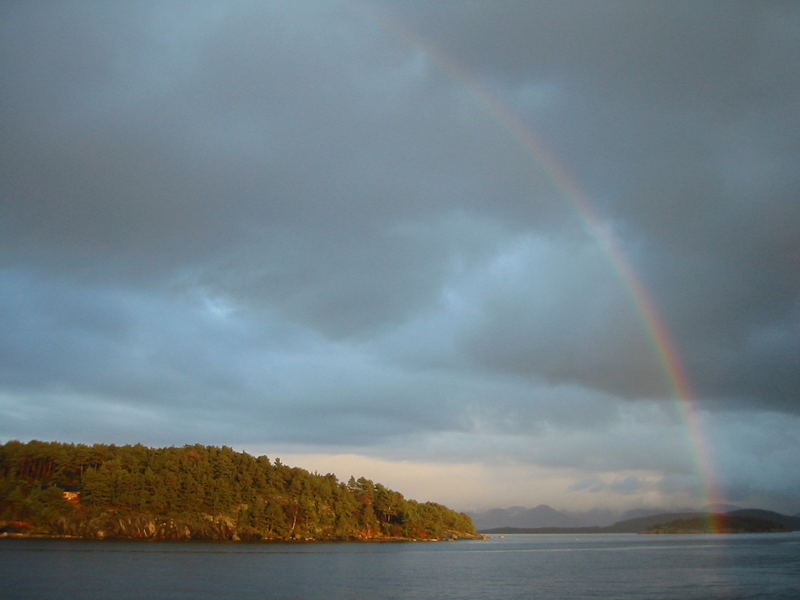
{"x": 514, "y": 567}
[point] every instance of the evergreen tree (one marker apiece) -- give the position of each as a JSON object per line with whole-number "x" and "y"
{"x": 200, "y": 491}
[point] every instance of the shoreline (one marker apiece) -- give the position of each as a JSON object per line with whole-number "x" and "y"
{"x": 381, "y": 540}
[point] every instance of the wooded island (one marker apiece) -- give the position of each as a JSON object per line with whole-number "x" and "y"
{"x": 198, "y": 492}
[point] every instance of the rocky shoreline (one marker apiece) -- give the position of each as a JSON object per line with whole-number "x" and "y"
{"x": 375, "y": 540}
{"x": 212, "y": 529}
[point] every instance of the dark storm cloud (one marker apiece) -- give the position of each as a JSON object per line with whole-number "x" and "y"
{"x": 302, "y": 224}
{"x": 249, "y": 154}
{"x": 112, "y": 362}
{"x": 629, "y": 485}
{"x": 676, "y": 119}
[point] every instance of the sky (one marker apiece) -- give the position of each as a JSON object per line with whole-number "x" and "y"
{"x": 391, "y": 239}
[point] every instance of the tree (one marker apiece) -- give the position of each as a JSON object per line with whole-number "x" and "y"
{"x": 198, "y": 485}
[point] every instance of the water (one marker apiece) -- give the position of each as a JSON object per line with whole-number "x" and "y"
{"x": 510, "y": 568}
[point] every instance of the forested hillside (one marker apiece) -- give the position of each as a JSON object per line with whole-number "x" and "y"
{"x": 199, "y": 492}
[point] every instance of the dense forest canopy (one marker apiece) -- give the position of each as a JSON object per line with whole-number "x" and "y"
{"x": 200, "y": 492}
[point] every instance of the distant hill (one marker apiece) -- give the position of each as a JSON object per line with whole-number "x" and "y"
{"x": 792, "y": 523}
{"x": 598, "y": 517}
{"x": 744, "y": 520}
{"x": 721, "y": 524}
{"x": 720, "y": 508}
{"x": 515, "y": 530}
{"x": 638, "y": 513}
{"x": 544, "y": 516}
{"x": 642, "y": 524}
{"x": 520, "y": 517}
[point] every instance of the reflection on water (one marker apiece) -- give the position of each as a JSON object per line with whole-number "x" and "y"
{"x": 516, "y": 566}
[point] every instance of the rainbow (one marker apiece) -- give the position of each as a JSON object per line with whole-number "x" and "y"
{"x": 569, "y": 190}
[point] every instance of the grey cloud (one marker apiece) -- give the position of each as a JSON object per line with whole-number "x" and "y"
{"x": 592, "y": 485}
{"x": 675, "y": 119}
{"x": 691, "y": 52}
{"x": 303, "y": 223}
{"x": 123, "y": 361}
{"x": 563, "y": 318}
{"x": 260, "y": 163}
{"x": 629, "y": 485}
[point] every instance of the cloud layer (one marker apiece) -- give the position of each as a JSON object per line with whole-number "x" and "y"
{"x": 304, "y": 228}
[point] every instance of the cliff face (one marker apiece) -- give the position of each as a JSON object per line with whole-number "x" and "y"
{"x": 115, "y": 526}
{"x": 146, "y": 527}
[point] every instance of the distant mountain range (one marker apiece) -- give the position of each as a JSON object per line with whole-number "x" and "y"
{"x": 646, "y": 512}
{"x": 518, "y": 516}
{"x": 763, "y": 520}
{"x": 544, "y": 516}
